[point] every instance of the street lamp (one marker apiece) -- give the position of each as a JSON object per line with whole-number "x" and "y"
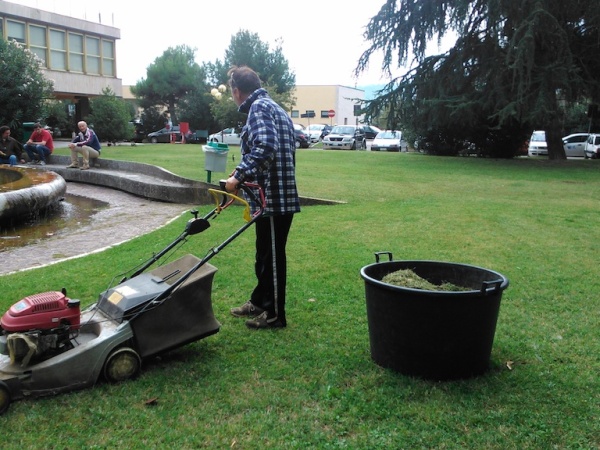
{"x": 218, "y": 91}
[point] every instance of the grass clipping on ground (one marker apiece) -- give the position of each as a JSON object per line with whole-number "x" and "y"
{"x": 407, "y": 278}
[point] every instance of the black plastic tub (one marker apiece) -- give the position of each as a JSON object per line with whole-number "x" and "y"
{"x": 437, "y": 335}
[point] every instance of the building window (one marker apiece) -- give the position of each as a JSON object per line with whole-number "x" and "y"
{"x": 92, "y": 55}
{"x": 75, "y": 52}
{"x": 295, "y": 114}
{"x": 38, "y": 43}
{"x": 58, "y": 50}
{"x": 108, "y": 58}
{"x": 15, "y": 30}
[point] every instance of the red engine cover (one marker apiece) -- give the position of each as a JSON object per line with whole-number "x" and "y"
{"x": 42, "y": 311}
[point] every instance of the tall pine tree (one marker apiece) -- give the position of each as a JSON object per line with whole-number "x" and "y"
{"x": 515, "y": 66}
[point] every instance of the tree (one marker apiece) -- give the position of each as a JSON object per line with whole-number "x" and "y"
{"x": 170, "y": 79}
{"x": 57, "y": 116}
{"x": 152, "y": 119}
{"x": 110, "y": 117}
{"x": 246, "y": 49}
{"x": 23, "y": 88}
{"x": 195, "y": 107}
{"x": 515, "y": 66}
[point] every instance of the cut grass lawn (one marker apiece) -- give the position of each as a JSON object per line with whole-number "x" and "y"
{"x": 313, "y": 384}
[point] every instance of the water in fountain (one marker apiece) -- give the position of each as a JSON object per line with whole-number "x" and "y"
{"x": 26, "y": 196}
{"x": 73, "y": 212}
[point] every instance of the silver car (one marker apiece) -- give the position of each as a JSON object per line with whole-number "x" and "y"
{"x": 345, "y": 137}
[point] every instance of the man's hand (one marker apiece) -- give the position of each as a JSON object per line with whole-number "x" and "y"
{"x": 231, "y": 185}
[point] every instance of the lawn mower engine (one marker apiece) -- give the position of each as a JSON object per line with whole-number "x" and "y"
{"x": 39, "y": 326}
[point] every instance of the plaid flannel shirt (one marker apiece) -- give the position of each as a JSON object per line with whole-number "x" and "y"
{"x": 268, "y": 153}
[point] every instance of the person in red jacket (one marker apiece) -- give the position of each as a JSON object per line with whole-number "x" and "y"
{"x": 39, "y": 146}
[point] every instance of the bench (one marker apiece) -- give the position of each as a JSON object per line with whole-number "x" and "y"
{"x": 199, "y": 136}
{"x": 49, "y": 160}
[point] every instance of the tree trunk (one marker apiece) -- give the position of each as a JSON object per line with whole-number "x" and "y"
{"x": 554, "y": 141}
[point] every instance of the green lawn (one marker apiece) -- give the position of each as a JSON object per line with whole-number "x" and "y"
{"x": 313, "y": 384}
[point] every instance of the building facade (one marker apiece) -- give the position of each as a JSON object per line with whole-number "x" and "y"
{"x": 321, "y": 99}
{"x": 77, "y": 55}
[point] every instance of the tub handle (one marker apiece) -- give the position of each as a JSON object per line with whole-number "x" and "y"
{"x": 489, "y": 287}
{"x": 378, "y": 254}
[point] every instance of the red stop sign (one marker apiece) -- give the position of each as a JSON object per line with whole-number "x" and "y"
{"x": 331, "y": 113}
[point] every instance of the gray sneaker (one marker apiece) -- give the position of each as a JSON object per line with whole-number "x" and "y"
{"x": 246, "y": 310}
{"x": 42, "y": 163}
{"x": 262, "y": 322}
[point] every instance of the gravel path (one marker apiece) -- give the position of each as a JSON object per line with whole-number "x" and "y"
{"x": 127, "y": 217}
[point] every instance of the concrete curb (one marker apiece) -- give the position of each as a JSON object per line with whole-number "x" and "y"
{"x": 145, "y": 180}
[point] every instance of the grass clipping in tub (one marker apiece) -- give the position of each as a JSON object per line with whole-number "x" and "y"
{"x": 407, "y": 278}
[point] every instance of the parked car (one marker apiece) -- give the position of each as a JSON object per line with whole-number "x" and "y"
{"x": 387, "y": 140}
{"x": 164, "y": 135}
{"x": 227, "y": 136}
{"x": 592, "y": 146}
{"x": 314, "y": 131}
{"x": 301, "y": 139}
{"x": 345, "y": 137}
{"x": 537, "y": 144}
{"x": 370, "y": 131}
{"x": 574, "y": 144}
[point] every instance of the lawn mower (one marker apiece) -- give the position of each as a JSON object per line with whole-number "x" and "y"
{"x": 49, "y": 344}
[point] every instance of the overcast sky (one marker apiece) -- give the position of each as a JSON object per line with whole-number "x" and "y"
{"x": 321, "y": 39}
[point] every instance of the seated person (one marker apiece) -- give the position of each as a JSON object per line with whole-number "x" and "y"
{"x": 39, "y": 146}
{"x": 87, "y": 143}
{"x": 11, "y": 150}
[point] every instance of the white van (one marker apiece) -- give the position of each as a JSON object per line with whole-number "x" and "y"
{"x": 592, "y": 147}
{"x": 537, "y": 144}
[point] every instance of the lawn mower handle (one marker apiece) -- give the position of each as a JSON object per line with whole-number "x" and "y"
{"x": 249, "y": 189}
{"x": 199, "y": 224}
{"x": 260, "y": 201}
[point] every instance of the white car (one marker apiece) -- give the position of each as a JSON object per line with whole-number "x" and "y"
{"x": 387, "y": 140}
{"x": 574, "y": 144}
{"x": 537, "y": 144}
{"x": 592, "y": 146}
{"x": 313, "y": 131}
{"x": 227, "y": 136}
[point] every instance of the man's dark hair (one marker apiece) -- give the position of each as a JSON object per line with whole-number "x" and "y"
{"x": 243, "y": 78}
{"x": 3, "y": 129}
